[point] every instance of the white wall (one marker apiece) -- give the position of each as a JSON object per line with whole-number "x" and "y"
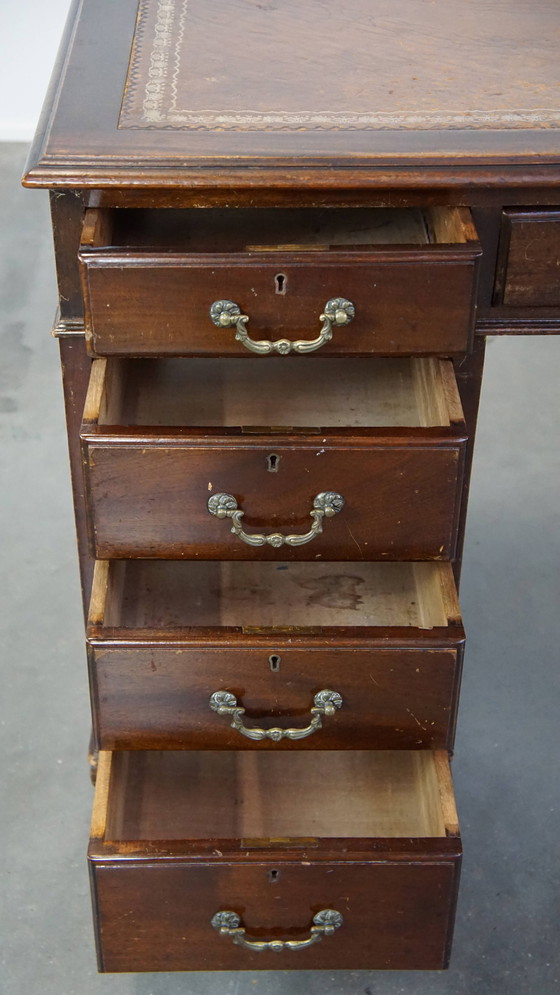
{"x": 30, "y": 31}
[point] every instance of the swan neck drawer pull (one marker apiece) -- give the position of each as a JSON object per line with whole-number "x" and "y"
{"x": 324, "y": 924}
{"x": 337, "y": 312}
{"x": 325, "y": 505}
{"x": 325, "y": 703}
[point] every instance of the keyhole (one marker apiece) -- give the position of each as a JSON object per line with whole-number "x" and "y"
{"x": 281, "y": 283}
{"x": 273, "y": 876}
{"x": 272, "y": 463}
{"x": 274, "y": 661}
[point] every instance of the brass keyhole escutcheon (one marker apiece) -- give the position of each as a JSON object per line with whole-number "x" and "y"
{"x": 281, "y": 283}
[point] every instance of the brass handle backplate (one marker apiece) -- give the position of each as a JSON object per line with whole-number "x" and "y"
{"x": 325, "y": 703}
{"x": 324, "y": 924}
{"x": 337, "y": 312}
{"x": 325, "y": 505}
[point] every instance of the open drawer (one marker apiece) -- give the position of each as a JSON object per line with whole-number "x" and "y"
{"x": 238, "y": 861}
{"x": 221, "y": 459}
{"x": 150, "y": 278}
{"x": 274, "y": 656}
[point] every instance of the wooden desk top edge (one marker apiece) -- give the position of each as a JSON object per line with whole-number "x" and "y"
{"x": 80, "y": 143}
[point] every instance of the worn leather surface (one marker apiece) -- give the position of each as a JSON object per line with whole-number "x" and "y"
{"x": 412, "y": 64}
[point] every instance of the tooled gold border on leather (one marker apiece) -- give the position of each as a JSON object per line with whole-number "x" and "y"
{"x": 165, "y": 66}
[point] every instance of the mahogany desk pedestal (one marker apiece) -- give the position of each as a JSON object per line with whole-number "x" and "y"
{"x": 282, "y": 233}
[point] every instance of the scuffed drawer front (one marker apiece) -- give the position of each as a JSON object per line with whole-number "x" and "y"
{"x": 156, "y": 915}
{"x": 366, "y": 462}
{"x": 161, "y": 698}
{"x": 150, "y": 279}
{"x": 204, "y": 655}
{"x": 150, "y": 498}
{"x": 244, "y": 861}
{"x": 528, "y": 273}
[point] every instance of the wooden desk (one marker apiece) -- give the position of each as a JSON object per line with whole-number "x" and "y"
{"x": 282, "y": 233}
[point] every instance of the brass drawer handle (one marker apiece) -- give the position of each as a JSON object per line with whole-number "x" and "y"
{"x": 325, "y": 703}
{"x": 338, "y": 311}
{"x": 325, "y": 505}
{"x": 324, "y": 924}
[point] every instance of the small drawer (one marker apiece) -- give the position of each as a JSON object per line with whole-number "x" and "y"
{"x": 528, "y": 272}
{"x": 361, "y": 460}
{"x": 240, "y": 861}
{"x": 274, "y": 656}
{"x": 150, "y": 278}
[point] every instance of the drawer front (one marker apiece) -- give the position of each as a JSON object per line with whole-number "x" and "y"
{"x": 150, "y": 278}
{"x": 529, "y": 259}
{"x": 149, "y": 498}
{"x": 179, "y": 836}
{"x": 158, "y": 697}
{"x": 404, "y": 303}
{"x": 156, "y": 916}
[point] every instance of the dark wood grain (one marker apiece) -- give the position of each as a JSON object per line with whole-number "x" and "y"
{"x": 148, "y": 485}
{"x": 154, "y": 895}
{"x": 155, "y": 697}
{"x": 151, "y": 294}
{"x": 410, "y": 188}
{"x": 161, "y": 642}
{"x": 67, "y": 212}
{"x": 160, "y": 305}
{"x": 469, "y": 372}
{"x": 529, "y": 259}
{"x": 372, "y": 109}
{"x": 148, "y": 496}
{"x": 81, "y": 144}
{"x": 76, "y": 365}
{"x": 157, "y": 918}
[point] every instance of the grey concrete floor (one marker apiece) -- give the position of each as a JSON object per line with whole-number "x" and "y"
{"x": 506, "y": 762}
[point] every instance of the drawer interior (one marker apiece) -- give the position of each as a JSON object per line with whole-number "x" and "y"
{"x": 173, "y": 795}
{"x": 279, "y": 392}
{"x": 167, "y": 594}
{"x": 246, "y": 229}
